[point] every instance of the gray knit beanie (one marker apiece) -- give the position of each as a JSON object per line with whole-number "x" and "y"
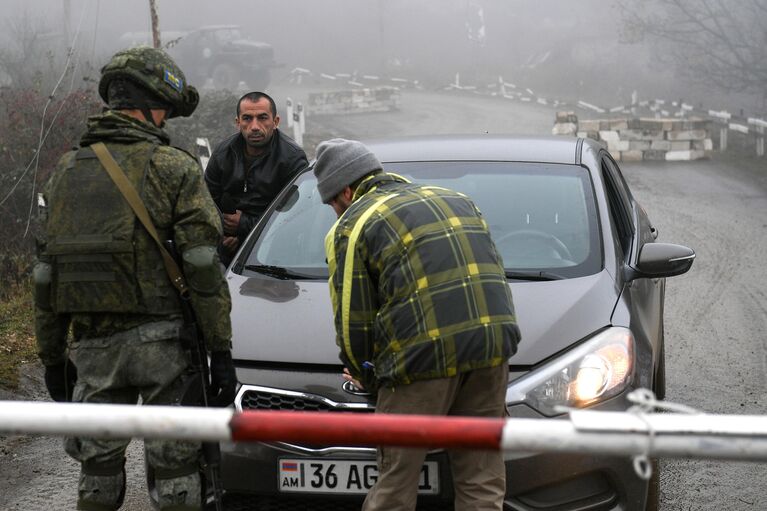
{"x": 340, "y": 163}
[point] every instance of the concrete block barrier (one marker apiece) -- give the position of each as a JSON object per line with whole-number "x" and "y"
{"x": 378, "y": 99}
{"x": 640, "y": 139}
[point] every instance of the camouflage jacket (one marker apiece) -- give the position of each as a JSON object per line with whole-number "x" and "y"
{"x": 417, "y": 286}
{"x": 174, "y": 193}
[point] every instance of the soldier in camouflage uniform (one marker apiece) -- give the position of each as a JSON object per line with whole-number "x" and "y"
{"x": 108, "y": 320}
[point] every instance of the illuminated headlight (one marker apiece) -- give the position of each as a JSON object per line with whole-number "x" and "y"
{"x": 594, "y": 371}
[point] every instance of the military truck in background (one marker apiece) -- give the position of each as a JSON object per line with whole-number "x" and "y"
{"x": 216, "y": 56}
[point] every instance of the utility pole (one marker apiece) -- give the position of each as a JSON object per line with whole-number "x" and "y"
{"x": 67, "y": 31}
{"x": 155, "y": 24}
{"x": 381, "y": 38}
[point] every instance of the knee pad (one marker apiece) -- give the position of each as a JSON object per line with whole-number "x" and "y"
{"x": 179, "y": 489}
{"x": 202, "y": 270}
{"x": 101, "y": 486}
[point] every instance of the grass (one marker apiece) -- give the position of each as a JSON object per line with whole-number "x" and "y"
{"x": 17, "y": 334}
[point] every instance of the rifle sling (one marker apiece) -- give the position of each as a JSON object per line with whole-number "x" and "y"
{"x": 137, "y": 205}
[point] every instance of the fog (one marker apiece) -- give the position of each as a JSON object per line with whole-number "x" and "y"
{"x": 563, "y": 48}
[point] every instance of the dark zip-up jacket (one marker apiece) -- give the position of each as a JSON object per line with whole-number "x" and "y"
{"x": 251, "y": 190}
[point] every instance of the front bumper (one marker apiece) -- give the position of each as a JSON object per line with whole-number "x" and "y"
{"x": 535, "y": 481}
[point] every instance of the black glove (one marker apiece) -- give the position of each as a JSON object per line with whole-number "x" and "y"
{"x": 60, "y": 380}
{"x": 223, "y": 380}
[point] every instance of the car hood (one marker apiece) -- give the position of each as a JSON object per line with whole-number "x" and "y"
{"x": 290, "y": 321}
{"x": 247, "y": 43}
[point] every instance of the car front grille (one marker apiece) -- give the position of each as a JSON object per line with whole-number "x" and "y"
{"x": 262, "y": 398}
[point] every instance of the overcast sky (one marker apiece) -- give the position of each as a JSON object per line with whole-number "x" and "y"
{"x": 560, "y": 45}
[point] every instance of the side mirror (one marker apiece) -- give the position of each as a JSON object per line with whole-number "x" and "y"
{"x": 658, "y": 260}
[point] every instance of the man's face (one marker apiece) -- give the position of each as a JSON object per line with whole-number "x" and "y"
{"x": 257, "y": 124}
{"x": 342, "y": 201}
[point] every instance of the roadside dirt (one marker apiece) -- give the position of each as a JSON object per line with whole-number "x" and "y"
{"x": 35, "y": 472}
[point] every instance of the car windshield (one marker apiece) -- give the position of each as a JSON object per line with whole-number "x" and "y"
{"x": 542, "y": 218}
{"x": 227, "y": 35}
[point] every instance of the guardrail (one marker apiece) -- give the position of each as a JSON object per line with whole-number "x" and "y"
{"x": 296, "y": 120}
{"x": 752, "y": 127}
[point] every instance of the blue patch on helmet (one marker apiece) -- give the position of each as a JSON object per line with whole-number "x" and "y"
{"x": 174, "y": 81}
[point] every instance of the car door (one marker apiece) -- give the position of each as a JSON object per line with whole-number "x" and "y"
{"x": 641, "y": 302}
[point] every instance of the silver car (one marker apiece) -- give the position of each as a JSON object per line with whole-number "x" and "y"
{"x": 588, "y": 280}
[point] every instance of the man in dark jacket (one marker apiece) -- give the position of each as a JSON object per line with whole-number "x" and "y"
{"x": 102, "y": 294}
{"x": 247, "y": 170}
{"x": 423, "y": 314}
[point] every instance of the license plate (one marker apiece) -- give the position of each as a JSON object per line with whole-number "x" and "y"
{"x": 306, "y": 475}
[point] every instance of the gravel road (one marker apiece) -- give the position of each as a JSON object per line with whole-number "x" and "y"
{"x": 716, "y": 315}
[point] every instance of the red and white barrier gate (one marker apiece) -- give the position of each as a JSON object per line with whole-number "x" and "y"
{"x": 699, "y": 435}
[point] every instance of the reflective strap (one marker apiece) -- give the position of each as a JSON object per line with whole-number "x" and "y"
{"x": 360, "y": 186}
{"x": 346, "y": 296}
{"x": 330, "y": 254}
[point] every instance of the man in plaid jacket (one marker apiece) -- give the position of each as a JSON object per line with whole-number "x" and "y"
{"x": 423, "y": 313}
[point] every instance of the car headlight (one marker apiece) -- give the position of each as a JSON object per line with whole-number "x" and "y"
{"x": 595, "y": 370}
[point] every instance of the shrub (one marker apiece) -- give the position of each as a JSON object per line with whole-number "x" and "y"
{"x": 26, "y": 167}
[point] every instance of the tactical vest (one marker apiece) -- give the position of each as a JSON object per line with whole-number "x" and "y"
{"x": 102, "y": 258}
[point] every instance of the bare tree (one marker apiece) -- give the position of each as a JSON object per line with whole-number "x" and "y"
{"x": 722, "y": 42}
{"x": 29, "y": 54}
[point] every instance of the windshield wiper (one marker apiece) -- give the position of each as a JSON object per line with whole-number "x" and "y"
{"x": 279, "y": 272}
{"x": 533, "y": 275}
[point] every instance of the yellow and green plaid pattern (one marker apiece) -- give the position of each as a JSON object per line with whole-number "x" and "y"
{"x": 417, "y": 286}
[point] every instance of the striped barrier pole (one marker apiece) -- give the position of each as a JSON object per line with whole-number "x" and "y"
{"x": 697, "y": 435}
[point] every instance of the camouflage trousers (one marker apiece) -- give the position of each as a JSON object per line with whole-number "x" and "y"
{"x": 147, "y": 362}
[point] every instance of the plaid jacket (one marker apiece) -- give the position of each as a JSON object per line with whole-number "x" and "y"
{"x": 417, "y": 286}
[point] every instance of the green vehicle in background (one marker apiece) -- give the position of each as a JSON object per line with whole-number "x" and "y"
{"x": 217, "y": 56}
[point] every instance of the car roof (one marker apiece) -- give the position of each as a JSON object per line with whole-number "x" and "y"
{"x": 206, "y": 28}
{"x": 552, "y": 149}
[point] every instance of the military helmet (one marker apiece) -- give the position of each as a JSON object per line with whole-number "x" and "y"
{"x": 155, "y": 71}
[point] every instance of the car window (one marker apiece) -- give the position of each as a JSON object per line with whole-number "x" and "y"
{"x": 295, "y": 235}
{"x": 620, "y": 181}
{"x": 541, "y": 217}
{"x": 620, "y": 204}
{"x": 227, "y": 35}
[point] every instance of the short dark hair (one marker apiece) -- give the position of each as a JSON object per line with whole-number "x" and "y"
{"x": 255, "y": 96}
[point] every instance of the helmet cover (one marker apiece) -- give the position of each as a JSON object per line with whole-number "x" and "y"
{"x": 155, "y": 71}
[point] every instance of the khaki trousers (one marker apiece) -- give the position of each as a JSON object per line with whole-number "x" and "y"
{"x": 479, "y": 477}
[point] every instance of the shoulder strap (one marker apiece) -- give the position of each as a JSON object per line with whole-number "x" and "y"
{"x": 135, "y": 202}
{"x": 346, "y": 295}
